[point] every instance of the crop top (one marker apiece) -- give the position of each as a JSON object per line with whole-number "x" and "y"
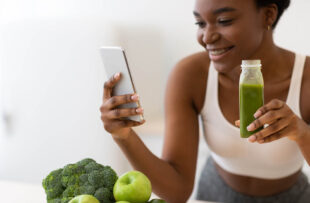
{"x": 236, "y": 155}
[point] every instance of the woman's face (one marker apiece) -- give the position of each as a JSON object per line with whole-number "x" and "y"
{"x": 230, "y": 31}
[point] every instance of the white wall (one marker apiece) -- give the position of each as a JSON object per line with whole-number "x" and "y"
{"x": 52, "y": 78}
{"x": 52, "y": 73}
{"x": 293, "y": 29}
{"x": 53, "y": 81}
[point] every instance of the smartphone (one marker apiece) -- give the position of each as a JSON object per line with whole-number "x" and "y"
{"x": 115, "y": 61}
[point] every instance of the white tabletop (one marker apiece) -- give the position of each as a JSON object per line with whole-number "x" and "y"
{"x": 16, "y": 192}
{"x": 21, "y": 192}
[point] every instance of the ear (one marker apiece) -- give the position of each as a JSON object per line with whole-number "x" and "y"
{"x": 270, "y": 14}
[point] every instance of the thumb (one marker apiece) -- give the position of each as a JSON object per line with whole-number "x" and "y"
{"x": 237, "y": 123}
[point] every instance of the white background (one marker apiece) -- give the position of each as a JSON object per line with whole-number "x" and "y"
{"x": 51, "y": 74}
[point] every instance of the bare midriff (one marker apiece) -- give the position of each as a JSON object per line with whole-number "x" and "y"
{"x": 257, "y": 186}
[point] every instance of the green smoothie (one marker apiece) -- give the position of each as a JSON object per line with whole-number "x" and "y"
{"x": 251, "y": 98}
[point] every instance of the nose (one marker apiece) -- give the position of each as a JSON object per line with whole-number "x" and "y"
{"x": 210, "y": 35}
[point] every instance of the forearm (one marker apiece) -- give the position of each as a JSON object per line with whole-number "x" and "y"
{"x": 304, "y": 145}
{"x": 166, "y": 181}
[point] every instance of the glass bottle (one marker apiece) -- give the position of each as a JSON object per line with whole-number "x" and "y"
{"x": 251, "y": 94}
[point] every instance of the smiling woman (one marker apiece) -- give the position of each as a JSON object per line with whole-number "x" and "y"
{"x": 266, "y": 167}
{"x": 242, "y": 169}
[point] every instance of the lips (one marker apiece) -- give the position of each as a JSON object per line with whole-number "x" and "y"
{"x": 216, "y": 54}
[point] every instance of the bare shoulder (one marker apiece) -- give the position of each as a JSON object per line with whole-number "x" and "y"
{"x": 193, "y": 62}
{"x": 305, "y": 97}
{"x": 189, "y": 78}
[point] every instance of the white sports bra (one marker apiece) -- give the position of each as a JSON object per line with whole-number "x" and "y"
{"x": 236, "y": 155}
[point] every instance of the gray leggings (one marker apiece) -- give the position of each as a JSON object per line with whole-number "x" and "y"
{"x": 211, "y": 187}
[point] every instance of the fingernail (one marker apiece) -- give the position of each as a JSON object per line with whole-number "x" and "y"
{"x": 135, "y": 97}
{"x": 252, "y": 138}
{"x": 236, "y": 122}
{"x": 116, "y": 75}
{"x": 257, "y": 114}
{"x": 139, "y": 110}
{"x": 250, "y": 127}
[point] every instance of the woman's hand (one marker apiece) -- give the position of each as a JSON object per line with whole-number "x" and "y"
{"x": 113, "y": 117}
{"x": 281, "y": 120}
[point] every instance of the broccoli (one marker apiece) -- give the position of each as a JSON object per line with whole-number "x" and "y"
{"x": 52, "y": 184}
{"x": 103, "y": 195}
{"x": 109, "y": 177}
{"x": 57, "y": 200}
{"x": 83, "y": 177}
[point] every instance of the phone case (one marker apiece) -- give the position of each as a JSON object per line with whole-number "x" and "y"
{"x": 114, "y": 61}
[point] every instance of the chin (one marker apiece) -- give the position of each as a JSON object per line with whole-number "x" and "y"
{"x": 227, "y": 66}
{"x": 222, "y": 68}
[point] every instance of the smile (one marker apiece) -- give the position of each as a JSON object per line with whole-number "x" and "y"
{"x": 216, "y": 54}
{"x": 219, "y": 51}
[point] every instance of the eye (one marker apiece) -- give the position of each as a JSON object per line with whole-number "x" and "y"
{"x": 225, "y": 21}
{"x": 200, "y": 24}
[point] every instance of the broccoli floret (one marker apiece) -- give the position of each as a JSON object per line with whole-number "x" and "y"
{"x": 71, "y": 174}
{"x": 52, "y": 184}
{"x": 84, "y": 162}
{"x": 69, "y": 191}
{"x": 96, "y": 178}
{"x": 83, "y": 177}
{"x": 104, "y": 195}
{"x": 109, "y": 177}
{"x": 92, "y": 166}
{"x": 84, "y": 189}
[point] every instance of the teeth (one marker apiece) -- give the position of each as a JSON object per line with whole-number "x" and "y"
{"x": 218, "y": 52}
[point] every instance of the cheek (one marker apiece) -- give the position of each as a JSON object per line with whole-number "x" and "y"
{"x": 254, "y": 39}
{"x": 199, "y": 36}
{"x": 246, "y": 40}
{"x": 252, "y": 44}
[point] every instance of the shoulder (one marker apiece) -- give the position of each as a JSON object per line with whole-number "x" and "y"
{"x": 193, "y": 64}
{"x": 305, "y": 99}
{"x": 188, "y": 78}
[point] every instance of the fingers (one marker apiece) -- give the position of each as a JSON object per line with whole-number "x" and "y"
{"x": 108, "y": 85}
{"x": 114, "y": 118}
{"x": 121, "y": 124}
{"x": 268, "y": 118}
{"x": 272, "y": 105}
{"x": 275, "y": 136}
{"x": 122, "y": 113}
{"x": 268, "y": 114}
{"x": 116, "y": 121}
{"x": 237, "y": 123}
{"x": 115, "y": 101}
{"x": 270, "y": 131}
{"x": 277, "y": 116}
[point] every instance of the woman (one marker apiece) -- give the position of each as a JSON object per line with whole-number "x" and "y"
{"x": 267, "y": 168}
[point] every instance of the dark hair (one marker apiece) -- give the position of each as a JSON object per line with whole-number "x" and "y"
{"x": 281, "y": 4}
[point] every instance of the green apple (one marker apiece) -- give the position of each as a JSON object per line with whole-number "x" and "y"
{"x": 157, "y": 201}
{"x": 122, "y": 202}
{"x": 84, "y": 199}
{"x": 132, "y": 186}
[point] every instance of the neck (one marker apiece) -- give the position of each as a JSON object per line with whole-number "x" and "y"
{"x": 276, "y": 63}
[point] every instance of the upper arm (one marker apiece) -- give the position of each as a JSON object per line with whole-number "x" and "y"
{"x": 305, "y": 97}
{"x": 181, "y": 118}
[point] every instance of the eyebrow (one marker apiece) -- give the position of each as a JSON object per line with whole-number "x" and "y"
{"x": 217, "y": 11}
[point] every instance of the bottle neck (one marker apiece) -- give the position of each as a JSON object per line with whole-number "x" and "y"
{"x": 254, "y": 68}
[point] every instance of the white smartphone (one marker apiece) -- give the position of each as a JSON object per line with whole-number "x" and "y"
{"x": 115, "y": 61}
